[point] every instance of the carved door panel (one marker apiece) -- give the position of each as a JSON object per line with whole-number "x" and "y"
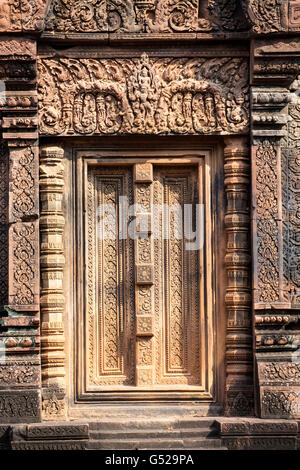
{"x": 145, "y": 325}
{"x": 109, "y": 283}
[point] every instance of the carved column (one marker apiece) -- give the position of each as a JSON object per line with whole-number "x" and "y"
{"x": 275, "y": 222}
{"x": 52, "y": 299}
{"x": 19, "y": 231}
{"x": 239, "y": 371}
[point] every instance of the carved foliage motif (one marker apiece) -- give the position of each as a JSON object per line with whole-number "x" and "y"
{"x": 176, "y": 296}
{"x": 293, "y": 204}
{"x": 125, "y": 16}
{"x": 16, "y": 15}
{"x": 280, "y": 371}
{"x": 152, "y": 96}
{"x": 110, "y": 279}
{"x": 110, "y": 16}
{"x": 3, "y": 223}
{"x": 293, "y": 198}
{"x": 24, "y": 238}
{"x": 281, "y": 403}
{"x": 264, "y": 15}
{"x": 23, "y": 183}
{"x": 111, "y": 324}
{"x": 267, "y": 226}
{"x": 19, "y": 374}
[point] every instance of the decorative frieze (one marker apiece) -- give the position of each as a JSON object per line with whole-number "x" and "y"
{"x": 183, "y": 18}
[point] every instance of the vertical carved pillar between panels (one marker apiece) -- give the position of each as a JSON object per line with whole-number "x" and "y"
{"x": 143, "y": 177}
{"x": 52, "y": 298}
{"x": 239, "y": 369}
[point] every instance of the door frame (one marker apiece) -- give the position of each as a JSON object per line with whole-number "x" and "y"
{"x": 77, "y": 157}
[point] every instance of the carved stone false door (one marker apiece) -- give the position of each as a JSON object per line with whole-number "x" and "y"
{"x": 145, "y": 321}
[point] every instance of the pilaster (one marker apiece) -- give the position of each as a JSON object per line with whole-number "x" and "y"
{"x": 275, "y": 225}
{"x": 19, "y": 318}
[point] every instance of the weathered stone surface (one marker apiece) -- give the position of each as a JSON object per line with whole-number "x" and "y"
{"x": 20, "y": 406}
{"x": 22, "y": 15}
{"x": 129, "y": 319}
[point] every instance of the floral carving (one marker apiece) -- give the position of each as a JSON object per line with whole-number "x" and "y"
{"x": 19, "y": 374}
{"x": 145, "y": 354}
{"x": 280, "y": 403}
{"x": 143, "y": 96}
{"x": 27, "y": 15}
{"x": 3, "y": 224}
{"x": 164, "y": 16}
{"x": 267, "y": 226}
{"x": 280, "y": 371}
{"x": 23, "y": 183}
{"x": 110, "y": 318}
{"x": 264, "y": 15}
{"x": 24, "y": 237}
{"x": 125, "y": 16}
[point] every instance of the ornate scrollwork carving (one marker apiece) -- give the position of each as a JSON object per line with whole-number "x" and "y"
{"x": 145, "y": 96}
{"x": 125, "y": 16}
{"x": 23, "y": 182}
{"x": 267, "y": 226}
{"x": 263, "y": 15}
{"x": 24, "y": 238}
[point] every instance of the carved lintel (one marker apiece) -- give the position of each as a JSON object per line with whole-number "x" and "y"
{"x": 187, "y": 98}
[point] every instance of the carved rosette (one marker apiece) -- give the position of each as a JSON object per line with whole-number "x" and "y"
{"x": 239, "y": 369}
{"x": 52, "y": 264}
